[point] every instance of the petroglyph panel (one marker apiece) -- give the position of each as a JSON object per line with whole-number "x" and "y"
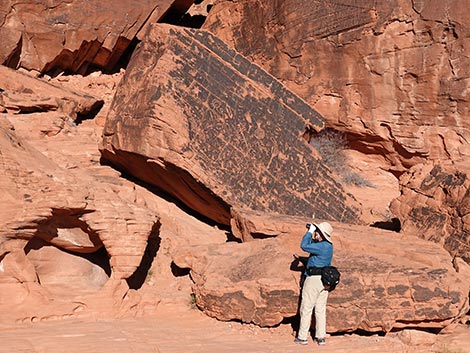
{"x": 231, "y": 126}
{"x": 435, "y": 204}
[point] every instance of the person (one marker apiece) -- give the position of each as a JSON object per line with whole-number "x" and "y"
{"x": 317, "y": 241}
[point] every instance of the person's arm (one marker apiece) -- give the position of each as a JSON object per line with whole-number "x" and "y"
{"x": 307, "y": 244}
{"x": 308, "y": 237}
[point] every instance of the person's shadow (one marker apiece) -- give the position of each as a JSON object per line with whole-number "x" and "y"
{"x": 299, "y": 264}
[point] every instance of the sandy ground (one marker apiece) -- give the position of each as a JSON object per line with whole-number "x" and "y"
{"x": 175, "y": 329}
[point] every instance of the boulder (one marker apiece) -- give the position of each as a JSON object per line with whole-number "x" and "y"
{"x": 197, "y": 120}
{"x": 248, "y": 225}
{"x": 393, "y": 75}
{"x": 389, "y": 280}
{"x": 75, "y": 36}
{"x": 21, "y": 93}
{"x": 435, "y": 204}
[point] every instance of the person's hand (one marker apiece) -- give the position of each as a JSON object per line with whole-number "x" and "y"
{"x": 312, "y": 228}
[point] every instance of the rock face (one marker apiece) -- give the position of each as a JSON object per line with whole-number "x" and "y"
{"x": 68, "y": 241}
{"x": 388, "y": 280}
{"x": 59, "y": 206}
{"x": 76, "y": 239}
{"x": 63, "y": 209}
{"x": 435, "y": 204}
{"x": 74, "y": 35}
{"x": 22, "y": 94}
{"x": 250, "y": 282}
{"x": 391, "y": 74}
{"x": 199, "y": 121}
{"x": 196, "y": 119}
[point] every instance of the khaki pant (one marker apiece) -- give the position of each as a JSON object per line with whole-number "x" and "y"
{"x": 313, "y": 296}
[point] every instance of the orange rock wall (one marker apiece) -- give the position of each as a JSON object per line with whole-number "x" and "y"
{"x": 391, "y": 74}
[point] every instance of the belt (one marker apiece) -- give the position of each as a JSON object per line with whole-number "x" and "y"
{"x": 314, "y": 271}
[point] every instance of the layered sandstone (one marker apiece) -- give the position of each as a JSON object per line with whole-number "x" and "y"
{"x": 199, "y": 121}
{"x": 393, "y": 75}
{"x": 96, "y": 254}
{"x": 79, "y": 240}
{"x": 388, "y": 281}
{"x": 21, "y": 93}
{"x": 57, "y": 205}
{"x": 435, "y": 204}
{"x": 48, "y": 203}
{"x": 62, "y": 236}
{"x": 76, "y": 35}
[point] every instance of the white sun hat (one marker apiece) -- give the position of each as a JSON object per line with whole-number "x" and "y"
{"x": 326, "y": 229}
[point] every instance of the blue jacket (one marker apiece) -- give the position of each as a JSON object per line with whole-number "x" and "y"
{"x": 321, "y": 252}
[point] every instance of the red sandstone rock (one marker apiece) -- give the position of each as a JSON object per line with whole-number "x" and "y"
{"x": 435, "y": 204}
{"x": 22, "y": 93}
{"x": 391, "y": 74}
{"x": 248, "y": 225}
{"x": 199, "y": 121}
{"x": 75, "y": 35}
{"x": 63, "y": 270}
{"x": 54, "y": 222}
{"x": 389, "y": 280}
{"x": 48, "y": 202}
{"x": 66, "y": 211}
{"x": 74, "y": 149}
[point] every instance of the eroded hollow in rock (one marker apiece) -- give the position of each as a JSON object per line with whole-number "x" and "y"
{"x": 68, "y": 256}
{"x": 179, "y": 271}
{"x": 65, "y": 273}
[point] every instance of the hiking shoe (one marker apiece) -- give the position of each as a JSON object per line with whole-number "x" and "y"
{"x": 300, "y": 341}
{"x": 320, "y": 341}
